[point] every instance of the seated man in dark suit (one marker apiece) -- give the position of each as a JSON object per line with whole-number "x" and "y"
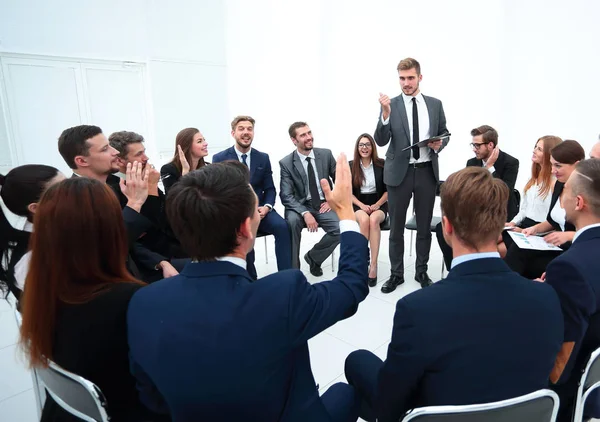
{"x": 574, "y": 276}
{"x": 483, "y": 334}
{"x": 501, "y": 165}
{"x": 302, "y": 196}
{"x": 210, "y": 344}
{"x": 261, "y": 179}
{"x": 160, "y": 254}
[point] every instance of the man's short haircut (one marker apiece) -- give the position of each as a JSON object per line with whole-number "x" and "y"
{"x": 294, "y": 126}
{"x": 488, "y": 133}
{"x": 475, "y": 203}
{"x": 587, "y": 183}
{"x": 73, "y": 142}
{"x": 240, "y": 119}
{"x": 409, "y": 63}
{"x": 121, "y": 140}
{"x": 206, "y": 208}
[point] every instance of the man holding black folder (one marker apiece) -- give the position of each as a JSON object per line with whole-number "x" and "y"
{"x": 404, "y": 121}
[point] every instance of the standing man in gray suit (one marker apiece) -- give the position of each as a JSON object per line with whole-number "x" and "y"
{"x": 302, "y": 196}
{"x": 405, "y": 120}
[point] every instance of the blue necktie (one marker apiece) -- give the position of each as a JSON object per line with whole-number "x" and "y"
{"x": 244, "y": 156}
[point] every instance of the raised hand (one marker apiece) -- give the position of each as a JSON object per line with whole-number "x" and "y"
{"x": 185, "y": 166}
{"x": 386, "y": 107}
{"x": 135, "y": 186}
{"x": 340, "y": 198}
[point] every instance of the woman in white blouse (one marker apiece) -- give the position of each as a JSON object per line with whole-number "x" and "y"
{"x": 538, "y": 190}
{"x": 20, "y": 190}
{"x": 532, "y": 263}
{"x": 369, "y": 196}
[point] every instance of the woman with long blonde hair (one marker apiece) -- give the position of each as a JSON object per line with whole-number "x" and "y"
{"x": 538, "y": 190}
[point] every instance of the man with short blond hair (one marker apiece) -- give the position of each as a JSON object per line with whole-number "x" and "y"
{"x": 483, "y": 322}
{"x": 406, "y": 120}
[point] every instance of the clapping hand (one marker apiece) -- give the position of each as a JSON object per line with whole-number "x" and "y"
{"x": 185, "y": 166}
{"x": 135, "y": 186}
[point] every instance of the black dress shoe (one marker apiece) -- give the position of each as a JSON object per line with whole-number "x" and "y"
{"x": 423, "y": 279}
{"x": 315, "y": 269}
{"x": 390, "y": 285}
{"x": 372, "y": 281}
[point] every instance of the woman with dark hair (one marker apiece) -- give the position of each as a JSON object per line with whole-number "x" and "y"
{"x": 533, "y": 263}
{"x": 190, "y": 150}
{"x": 369, "y": 196}
{"x": 77, "y": 291}
{"x": 20, "y": 191}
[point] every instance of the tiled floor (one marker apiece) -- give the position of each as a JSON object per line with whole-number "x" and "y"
{"x": 370, "y": 328}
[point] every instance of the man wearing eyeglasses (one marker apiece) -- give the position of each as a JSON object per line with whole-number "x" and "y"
{"x": 499, "y": 163}
{"x": 502, "y": 166}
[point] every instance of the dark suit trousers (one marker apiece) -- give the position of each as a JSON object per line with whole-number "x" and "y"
{"x": 327, "y": 221}
{"x": 274, "y": 224}
{"x": 422, "y": 183}
{"x": 361, "y": 370}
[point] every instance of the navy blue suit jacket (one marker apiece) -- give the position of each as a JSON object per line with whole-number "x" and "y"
{"x": 482, "y": 334}
{"x": 261, "y": 175}
{"x": 574, "y": 276}
{"x": 211, "y": 345}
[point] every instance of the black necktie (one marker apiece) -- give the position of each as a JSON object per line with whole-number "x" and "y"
{"x": 312, "y": 186}
{"x": 244, "y": 156}
{"x": 416, "y": 152}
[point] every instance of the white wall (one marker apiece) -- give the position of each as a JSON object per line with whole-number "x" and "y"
{"x": 180, "y": 43}
{"x": 526, "y": 68}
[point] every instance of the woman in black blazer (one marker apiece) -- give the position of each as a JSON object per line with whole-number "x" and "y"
{"x": 369, "y": 196}
{"x": 76, "y": 295}
{"x": 190, "y": 150}
{"x": 530, "y": 263}
{"x": 20, "y": 191}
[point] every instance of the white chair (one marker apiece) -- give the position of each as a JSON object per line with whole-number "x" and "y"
{"x": 73, "y": 393}
{"x": 590, "y": 380}
{"x": 539, "y": 406}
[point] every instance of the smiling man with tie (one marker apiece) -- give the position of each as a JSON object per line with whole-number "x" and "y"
{"x": 404, "y": 121}
{"x": 261, "y": 179}
{"x": 303, "y": 198}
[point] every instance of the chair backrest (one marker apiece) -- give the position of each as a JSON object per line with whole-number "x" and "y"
{"x": 73, "y": 393}
{"x": 518, "y": 199}
{"x": 590, "y": 380}
{"x": 539, "y": 406}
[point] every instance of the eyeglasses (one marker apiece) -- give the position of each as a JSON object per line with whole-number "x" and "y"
{"x": 475, "y": 145}
{"x": 364, "y": 145}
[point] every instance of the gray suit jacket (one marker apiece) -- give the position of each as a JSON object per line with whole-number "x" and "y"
{"x": 294, "y": 180}
{"x": 398, "y": 130}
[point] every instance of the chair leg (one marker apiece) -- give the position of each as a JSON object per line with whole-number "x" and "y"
{"x": 333, "y": 261}
{"x": 443, "y": 267}
{"x": 266, "y": 252}
{"x": 411, "y": 243}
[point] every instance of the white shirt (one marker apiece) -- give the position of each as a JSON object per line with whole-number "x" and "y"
{"x": 239, "y": 154}
{"x": 491, "y": 169}
{"x": 578, "y": 232}
{"x": 368, "y": 185}
{"x": 473, "y": 256}
{"x": 558, "y": 215}
{"x": 234, "y": 260}
{"x": 533, "y": 206}
{"x": 424, "y": 152}
{"x": 345, "y": 226}
{"x": 305, "y": 165}
{"x": 22, "y": 266}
